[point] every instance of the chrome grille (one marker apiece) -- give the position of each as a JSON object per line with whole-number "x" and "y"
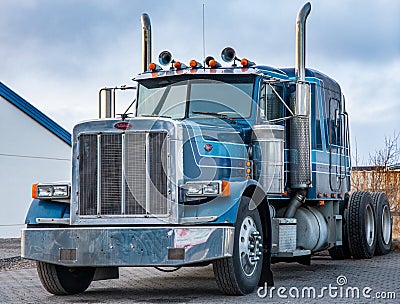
{"x": 123, "y": 174}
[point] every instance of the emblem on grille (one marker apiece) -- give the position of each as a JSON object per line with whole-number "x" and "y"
{"x": 122, "y": 125}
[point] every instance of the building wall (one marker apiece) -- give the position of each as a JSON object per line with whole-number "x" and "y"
{"x": 29, "y": 153}
{"x": 381, "y": 180}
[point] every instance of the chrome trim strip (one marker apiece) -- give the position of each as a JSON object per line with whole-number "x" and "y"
{"x": 46, "y": 220}
{"x": 197, "y": 219}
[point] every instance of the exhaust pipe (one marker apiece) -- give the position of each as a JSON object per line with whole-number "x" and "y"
{"x": 146, "y": 42}
{"x": 301, "y": 41}
{"x": 300, "y": 136}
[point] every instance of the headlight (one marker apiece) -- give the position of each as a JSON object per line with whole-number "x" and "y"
{"x": 212, "y": 188}
{"x": 44, "y": 191}
{"x": 50, "y": 191}
{"x": 60, "y": 191}
{"x": 194, "y": 189}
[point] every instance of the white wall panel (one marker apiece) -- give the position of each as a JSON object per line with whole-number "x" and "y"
{"x": 29, "y": 153}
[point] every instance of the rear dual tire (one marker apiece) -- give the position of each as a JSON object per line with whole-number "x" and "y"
{"x": 383, "y": 223}
{"x": 361, "y": 226}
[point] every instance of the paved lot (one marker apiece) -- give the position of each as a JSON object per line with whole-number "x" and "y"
{"x": 197, "y": 285}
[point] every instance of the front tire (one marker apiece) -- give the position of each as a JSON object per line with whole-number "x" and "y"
{"x": 61, "y": 280}
{"x": 240, "y": 274}
{"x": 361, "y": 225}
{"x": 383, "y": 223}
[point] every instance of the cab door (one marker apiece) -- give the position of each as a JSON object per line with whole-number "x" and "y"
{"x": 337, "y": 153}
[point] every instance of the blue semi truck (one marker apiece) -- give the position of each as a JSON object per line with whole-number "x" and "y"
{"x": 239, "y": 166}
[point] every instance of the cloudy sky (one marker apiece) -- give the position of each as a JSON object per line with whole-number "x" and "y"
{"x": 58, "y": 54}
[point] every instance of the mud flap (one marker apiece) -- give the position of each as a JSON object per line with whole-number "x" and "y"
{"x": 267, "y": 276}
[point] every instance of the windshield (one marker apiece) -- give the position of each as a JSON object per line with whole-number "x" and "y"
{"x": 178, "y": 99}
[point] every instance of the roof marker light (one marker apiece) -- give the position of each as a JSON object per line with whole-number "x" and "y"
{"x": 211, "y": 62}
{"x": 154, "y": 67}
{"x": 244, "y": 62}
{"x": 179, "y": 65}
{"x": 194, "y": 64}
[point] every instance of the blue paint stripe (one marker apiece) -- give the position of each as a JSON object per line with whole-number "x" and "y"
{"x": 35, "y": 114}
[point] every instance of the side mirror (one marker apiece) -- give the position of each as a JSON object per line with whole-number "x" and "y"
{"x": 107, "y": 103}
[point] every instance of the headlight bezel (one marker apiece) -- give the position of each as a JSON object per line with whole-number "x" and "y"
{"x": 51, "y": 191}
{"x": 213, "y": 188}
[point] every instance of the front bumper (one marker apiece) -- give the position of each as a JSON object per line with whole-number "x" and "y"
{"x": 119, "y": 246}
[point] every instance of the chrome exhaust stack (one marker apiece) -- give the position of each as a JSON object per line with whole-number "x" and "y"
{"x": 300, "y": 135}
{"x": 146, "y": 42}
{"x": 301, "y": 41}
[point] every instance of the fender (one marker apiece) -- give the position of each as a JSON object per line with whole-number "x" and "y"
{"x": 249, "y": 188}
{"x": 46, "y": 209}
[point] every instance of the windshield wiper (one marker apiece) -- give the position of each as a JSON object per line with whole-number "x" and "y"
{"x": 155, "y": 115}
{"x": 219, "y": 115}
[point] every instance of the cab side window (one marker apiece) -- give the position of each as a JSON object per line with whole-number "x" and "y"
{"x": 271, "y": 106}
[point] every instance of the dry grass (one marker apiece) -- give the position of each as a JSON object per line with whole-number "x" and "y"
{"x": 396, "y": 227}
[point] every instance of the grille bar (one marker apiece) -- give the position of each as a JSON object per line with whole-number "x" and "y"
{"x": 123, "y": 174}
{"x": 123, "y": 185}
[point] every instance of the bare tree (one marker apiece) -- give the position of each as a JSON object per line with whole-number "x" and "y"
{"x": 388, "y": 155}
{"x": 380, "y": 176}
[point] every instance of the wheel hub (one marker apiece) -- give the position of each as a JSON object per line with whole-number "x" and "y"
{"x": 386, "y": 224}
{"x": 250, "y": 246}
{"x": 370, "y": 225}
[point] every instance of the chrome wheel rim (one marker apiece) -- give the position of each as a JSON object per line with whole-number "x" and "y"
{"x": 386, "y": 224}
{"x": 369, "y": 225}
{"x": 250, "y": 246}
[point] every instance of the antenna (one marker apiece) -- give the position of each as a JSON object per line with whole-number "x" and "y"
{"x": 204, "y": 34}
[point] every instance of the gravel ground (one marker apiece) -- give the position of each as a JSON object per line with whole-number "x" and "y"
{"x": 10, "y": 256}
{"x": 10, "y": 248}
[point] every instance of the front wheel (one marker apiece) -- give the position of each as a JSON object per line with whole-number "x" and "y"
{"x": 240, "y": 274}
{"x": 61, "y": 280}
